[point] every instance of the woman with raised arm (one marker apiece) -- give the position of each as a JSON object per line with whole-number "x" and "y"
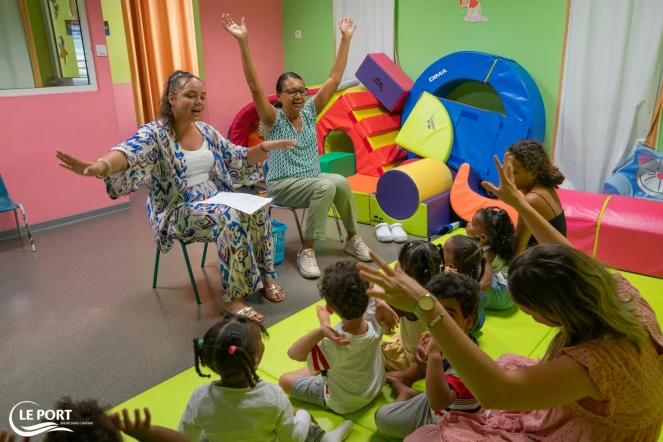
{"x": 601, "y": 378}
{"x": 294, "y": 178}
{"x": 183, "y": 161}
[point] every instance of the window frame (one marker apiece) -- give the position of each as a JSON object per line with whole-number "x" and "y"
{"x": 89, "y": 59}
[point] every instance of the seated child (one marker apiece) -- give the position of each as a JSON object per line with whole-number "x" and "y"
{"x": 86, "y": 420}
{"x": 240, "y": 406}
{"x": 347, "y": 356}
{"x": 421, "y": 260}
{"x": 494, "y": 230}
{"x": 460, "y": 254}
{"x": 445, "y": 392}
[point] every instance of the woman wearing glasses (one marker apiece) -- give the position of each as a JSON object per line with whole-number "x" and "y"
{"x": 294, "y": 177}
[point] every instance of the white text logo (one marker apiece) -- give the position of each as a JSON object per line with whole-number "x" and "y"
{"x": 36, "y": 413}
{"x": 436, "y": 76}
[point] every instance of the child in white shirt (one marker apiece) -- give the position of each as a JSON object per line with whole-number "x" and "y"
{"x": 240, "y": 406}
{"x": 348, "y": 356}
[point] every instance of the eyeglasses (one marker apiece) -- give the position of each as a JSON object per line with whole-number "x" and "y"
{"x": 292, "y": 92}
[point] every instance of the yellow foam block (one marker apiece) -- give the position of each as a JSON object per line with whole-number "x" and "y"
{"x": 428, "y": 131}
{"x": 362, "y": 207}
{"x": 431, "y": 176}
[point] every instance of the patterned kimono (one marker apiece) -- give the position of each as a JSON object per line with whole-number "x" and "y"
{"x": 244, "y": 242}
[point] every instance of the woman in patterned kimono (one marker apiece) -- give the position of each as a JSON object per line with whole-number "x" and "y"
{"x": 294, "y": 178}
{"x": 183, "y": 161}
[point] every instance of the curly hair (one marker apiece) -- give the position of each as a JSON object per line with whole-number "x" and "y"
{"x": 536, "y": 161}
{"x": 279, "y": 84}
{"x": 460, "y": 287}
{"x": 101, "y": 428}
{"x": 421, "y": 260}
{"x": 174, "y": 84}
{"x": 214, "y": 350}
{"x": 467, "y": 256}
{"x": 501, "y": 233}
{"x": 343, "y": 289}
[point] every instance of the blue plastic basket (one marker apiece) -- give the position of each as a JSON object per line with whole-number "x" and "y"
{"x": 278, "y": 238}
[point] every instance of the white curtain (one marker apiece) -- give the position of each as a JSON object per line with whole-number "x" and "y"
{"x": 375, "y": 29}
{"x": 614, "y": 57}
{"x": 15, "y": 65}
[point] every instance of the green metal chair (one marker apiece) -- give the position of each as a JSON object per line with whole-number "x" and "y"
{"x": 188, "y": 267}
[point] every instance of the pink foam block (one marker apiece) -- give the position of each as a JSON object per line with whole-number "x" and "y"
{"x": 582, "y": 211}
{"x": 631, "y": 235}
{"x": 385, "y": 80}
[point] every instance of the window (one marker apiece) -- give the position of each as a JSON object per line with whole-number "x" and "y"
{"x": 45, "y": 47}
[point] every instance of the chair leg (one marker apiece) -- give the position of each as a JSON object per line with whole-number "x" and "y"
{"x": 18, "y": 226}
{"x": 338, "y": 225}
{"x": 156, "y": 268}
{"x": 299, "y": 227}
{"x": 202, "y": 263}
{"x": 27, "y": 227}
{"x": 188, "y": 267}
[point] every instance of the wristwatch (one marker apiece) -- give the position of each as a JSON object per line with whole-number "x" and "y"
{"x": 426, "y": 303}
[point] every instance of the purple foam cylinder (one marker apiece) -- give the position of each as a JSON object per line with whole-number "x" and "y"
{"x": 397, "y": 194}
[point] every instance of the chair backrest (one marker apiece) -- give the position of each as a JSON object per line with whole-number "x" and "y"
{"x": 4, "y": 193}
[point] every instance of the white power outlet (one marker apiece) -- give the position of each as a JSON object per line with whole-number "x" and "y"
{"x": 298, "y": 34}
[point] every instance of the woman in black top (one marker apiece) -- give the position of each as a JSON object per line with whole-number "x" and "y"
{"x": 536, "y": 176}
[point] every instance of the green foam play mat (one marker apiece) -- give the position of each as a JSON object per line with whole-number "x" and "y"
{"x": 510, "y": 331}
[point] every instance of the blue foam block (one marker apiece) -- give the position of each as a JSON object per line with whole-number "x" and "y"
{"x": 438, "y": 213}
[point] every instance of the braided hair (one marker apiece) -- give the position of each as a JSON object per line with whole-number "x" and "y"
{"x": 467, "y": 256}
{"x": 229, "y": 349}
{"x": 174, "y": 84}
{"x": 501, "y": 233}
{"x": 421, "y": 260}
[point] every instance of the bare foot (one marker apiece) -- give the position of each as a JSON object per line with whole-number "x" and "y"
{"x": 403, "y": 392}
{"x": 408, "y": 376}
{"x": 238, "y": 305}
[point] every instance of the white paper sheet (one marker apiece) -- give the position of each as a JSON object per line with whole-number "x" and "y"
{"x": 244, "y": 202}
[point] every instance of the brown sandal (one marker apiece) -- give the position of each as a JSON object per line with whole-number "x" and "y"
{"x": 270, "y": 293}
{"x": 250, "y": 313}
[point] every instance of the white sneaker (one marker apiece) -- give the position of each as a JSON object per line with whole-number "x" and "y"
{"x": 383, "y": 233}
{"x": 307, "y": 264}
{"x": 358, "y": 249}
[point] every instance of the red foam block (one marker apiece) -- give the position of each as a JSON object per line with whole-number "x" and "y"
{"x": 582, "y": 211}
{"x": 381, "y": 124}
{"x": 361, "y": 100}
{"x": 631, "y": 235}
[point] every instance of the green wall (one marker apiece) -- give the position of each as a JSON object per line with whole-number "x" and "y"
{"x": 199, "y": 40}
{"x": 116, "y": 41}
{"x": 40, "y": 39}
{"x": 528, "y": 31}
{"x": 69, "y": 65}
{"x": 312, "y": 55}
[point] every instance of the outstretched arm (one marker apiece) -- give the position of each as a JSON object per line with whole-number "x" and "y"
{"x": 266, "y": 111}
{"x": 336, "y": 75}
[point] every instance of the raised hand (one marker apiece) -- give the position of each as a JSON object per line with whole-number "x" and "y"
{"x": 279, "y": 144}
{"x": 238, "y": 31}
{"x": 507, "y": 190}
{"x": 138, "y": 429}
{"x": 6, "y": 436}
{"x": 386, "y": 316}
{"x": 393, "y": 286}
{"x": 323, "y": 316}
{"x": 81, "y": 167}
{"x": 347, "y": 27}
{"x": 334, "y": 336}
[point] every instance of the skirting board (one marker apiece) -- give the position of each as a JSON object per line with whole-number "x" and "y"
{"x": 12, "y": 234}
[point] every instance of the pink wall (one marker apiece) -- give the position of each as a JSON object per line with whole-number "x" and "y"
{"x": 83, "y": 124}
{"x": 125, "y": 109}
{"x": 227, "y": 92}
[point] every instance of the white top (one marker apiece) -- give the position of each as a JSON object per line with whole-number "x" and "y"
{"x": 355, "y": 372}
{"x": 198, "y": 165}
{"x": 260, "y": 414}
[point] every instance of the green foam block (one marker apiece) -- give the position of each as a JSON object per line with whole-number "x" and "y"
{"x": 341, "y": 163}
{"x": 416, "y": 225}
{"x": 362, "y": 207}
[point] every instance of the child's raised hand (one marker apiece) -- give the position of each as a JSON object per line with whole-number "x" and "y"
{"x": 432, "y": 347}
{"x": 386, "y": 316}
{"x": 334, "y": 336}
{"x": 6, "y": 436}
{"x": 507, "y": 190}
{"x": 323, "y": 316}
{"x": 138, "y": 429}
